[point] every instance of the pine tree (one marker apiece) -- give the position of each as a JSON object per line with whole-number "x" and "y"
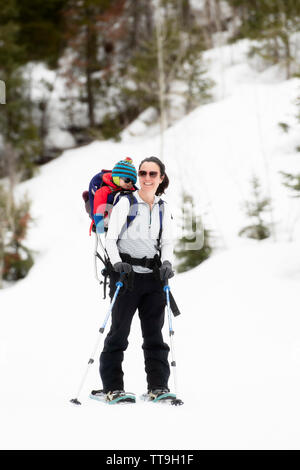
{"x": 16, "y": 120}
{"x": 182, "y": 45}
{"x": 193, "y": 73}
{"x": 255, "y": 210}
{"x": 15, "y": 258}
{"x": 292, "y": 182}
{"x": 271, "y": 22}
{"x": 139, "y": 23}
{"x": 92, "y": 28}
{"x": 41, "y": 29}
{"x": 194, "y": 246}
{"x": 142, "y": 92}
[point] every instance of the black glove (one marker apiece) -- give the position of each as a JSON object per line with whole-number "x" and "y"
{"x": 166, "y": 271}
{"x": 122, "y": 267}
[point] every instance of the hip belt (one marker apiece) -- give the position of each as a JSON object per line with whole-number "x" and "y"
{"x": 150, "y": 263}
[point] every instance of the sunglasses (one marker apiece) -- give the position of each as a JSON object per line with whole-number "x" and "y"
{"x": 152, "y": 174}
{"x": 127, "y": 180}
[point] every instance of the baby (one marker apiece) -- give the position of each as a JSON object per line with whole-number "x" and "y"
{"x": 122, "y": 178}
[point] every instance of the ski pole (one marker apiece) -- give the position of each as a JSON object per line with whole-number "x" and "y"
{"x": 105, "y": 261}
{"x": 176, "y": 401}
{"x": 95, "y": 258}
{"x": 96, "y": 255}
{"x": 119, "y": 284}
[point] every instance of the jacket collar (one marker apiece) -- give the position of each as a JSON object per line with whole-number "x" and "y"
{"x": 140, "y": 200}
{"x": 107, "y": 179}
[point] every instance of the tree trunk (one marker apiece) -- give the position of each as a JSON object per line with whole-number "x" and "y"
{"x": 149, "y": 18}
{"x": 11, "y": 162}
{"x": 209, "y": 29}
{"x": 285, "y": 37}
{"x": 185, "y": 14}
{"x": 90, "y": 98}
{"x": 217, "y": 15}
{"x": 135, "y": 14}
{"x": 161, "y": 75}
{"x": 287, "y": 57}
{"x": 90, "y": 60}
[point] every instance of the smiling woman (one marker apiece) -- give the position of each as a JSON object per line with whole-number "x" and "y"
{"x": 152, "y": 175}
{"x": 145, "y": 253}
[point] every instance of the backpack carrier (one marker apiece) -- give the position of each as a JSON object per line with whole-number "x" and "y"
{"x": 113, "y": 198}
{"x": 89, "y": 196}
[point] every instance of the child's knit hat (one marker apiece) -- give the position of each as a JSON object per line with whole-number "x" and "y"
{"x": 125, "y": 169}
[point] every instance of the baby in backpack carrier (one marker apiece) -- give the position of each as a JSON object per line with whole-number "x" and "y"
{"x": 103, "y": 189}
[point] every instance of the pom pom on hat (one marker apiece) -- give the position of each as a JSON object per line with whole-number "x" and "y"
{"x": 125, "y": 169}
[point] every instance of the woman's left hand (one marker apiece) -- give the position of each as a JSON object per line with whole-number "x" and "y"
{"x": 166, "y": 271}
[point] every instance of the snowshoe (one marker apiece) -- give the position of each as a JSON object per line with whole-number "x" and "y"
{"x": 161, "y": 395}
{"x": 114, "y": 397}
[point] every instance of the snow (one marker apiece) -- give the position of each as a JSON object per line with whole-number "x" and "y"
{"x": 139, "y": 127}
{"x": 237, "y": 341}
{"x": 57, "y": 138}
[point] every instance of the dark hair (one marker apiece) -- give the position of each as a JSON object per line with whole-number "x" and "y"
{"x": 165, "y": 183}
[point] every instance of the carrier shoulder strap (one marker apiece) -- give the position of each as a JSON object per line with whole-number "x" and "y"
{"x": 133, "y": 210}
{"x": 161, "y": 216}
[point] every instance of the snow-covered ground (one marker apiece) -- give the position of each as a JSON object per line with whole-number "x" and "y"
{"x": 237, "y": 341}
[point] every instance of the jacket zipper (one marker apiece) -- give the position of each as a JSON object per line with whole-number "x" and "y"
{"x": 150, "y": 218}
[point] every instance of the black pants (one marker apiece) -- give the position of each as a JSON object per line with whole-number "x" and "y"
{"x": 148, "y": 297}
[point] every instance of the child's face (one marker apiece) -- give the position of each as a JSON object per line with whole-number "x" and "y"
{"x": 124, "y": 184}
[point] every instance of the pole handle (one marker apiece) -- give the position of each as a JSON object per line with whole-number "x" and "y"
{"x": 119, "y": 283}
{"x": 166, "y": 286}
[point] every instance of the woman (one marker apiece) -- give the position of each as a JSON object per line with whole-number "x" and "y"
{"x": 136, "y": 253}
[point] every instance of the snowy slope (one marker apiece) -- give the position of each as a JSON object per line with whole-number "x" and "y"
{"x": 237, "y": 340}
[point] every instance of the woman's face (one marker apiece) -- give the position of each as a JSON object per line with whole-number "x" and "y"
{"x": 149, "y": 177}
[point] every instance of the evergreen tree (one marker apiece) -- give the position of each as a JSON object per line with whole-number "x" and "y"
{"x": 193, "y": 73}
{"x": 16, "y": 120}
{"x": 194, "y": 246}
{"x": 182, "y": 46}
{"x": 41, "y": 29}
{"x": 142, "y": 91}
{"x": 255, "y": 210}
{"x": 292, "y": 182}
{"x": 15, "y": 258}
{"x": 272, "y": 22}
{"x": 92, "y": 27}
{"x": 139, "y": 23}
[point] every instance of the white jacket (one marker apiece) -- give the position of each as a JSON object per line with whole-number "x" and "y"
{"x": 140, "y": 239}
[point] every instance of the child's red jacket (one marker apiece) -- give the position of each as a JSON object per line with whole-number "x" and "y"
{"x": 100, "y": 200}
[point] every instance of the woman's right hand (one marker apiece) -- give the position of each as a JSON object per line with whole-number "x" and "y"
{"x": 122, "y": 267}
